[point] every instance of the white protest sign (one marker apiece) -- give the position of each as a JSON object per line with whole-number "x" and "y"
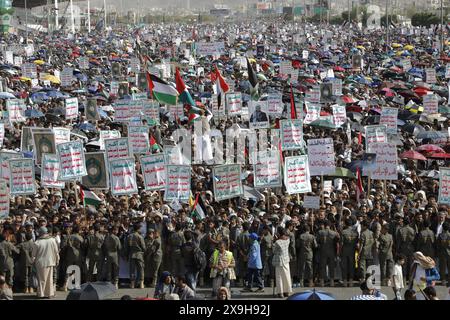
{"x": 233, "y": 103}
{"x": 16, "y": 110}
{"x": 389, "y": 118}
{"x": 339, "y": 115}
{"x": 258, "y": 114}
{"x": 430, "y": 75}
{"x": 50, "y": 171}
{"x": 107, "y": 134}
{"x": 430, "y": 104}
{"x": 313, "y": 95}
{"x": 71, "y": 108}
{"x": 178, "y": 183}
{"x": 210, "y": 48}
{"x": 385, "y": 161}
{"x": 2, "y": 134}
{"x": 296, "y": 175}
{"x": 275, "y": 104}
{"x": 444, "y": 186}
{"x": 321, "y": 156}
{"x": 267, "y": 169}
{"x": 291, "y": 134}
{"x": 374, "y": 134}
{"x": 117, "y": 148}
{"x": 62, "y": 135}
{"x": 150, "y": 110}
{"x": 66, "y": 77}
{"x": 71, "y": 156}
{"x": 227, "y": 181}
{"x": 122, "y": 110}
{"x": 311, "y": 202}
{"x": 312, "y": 113}
{"x": 336, "y": 85}
{"x": 123, "y": 177}
{"x": 138, "y": 139}
{"x": 153, "y": 171}
{"x": 4, "y": 200}
{"x": 21, "y": 179}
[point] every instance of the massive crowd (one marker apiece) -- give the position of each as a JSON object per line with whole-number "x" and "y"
{"x": 264, "y": 237}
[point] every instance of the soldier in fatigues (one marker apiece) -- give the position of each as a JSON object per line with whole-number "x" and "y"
{"x": 405, "y": 238}
{"x": 243, "y": 245}
{"x": 443, "y": 249}
{"x": 6, "y": 259}
{"x": 386, "y": 244}
{"x": 327, "y": 240}
{"x": 94, "y": 244}
{"x": 135, "y": 253}
{"x": 111, "y": 248}
{"x": 74, "y": 254}
{"x": 176, "y": 240}
{"x": 306, "y": 243}
{"x": 153, "y": 256}
{"x": 426, "y": 240}
{"x": 349, "y": 245}
{"x": 290, "y": 231}
{"x": 366, "y": 246}
{"x": 26, "y": 262}
{"x": 266, "y": 256}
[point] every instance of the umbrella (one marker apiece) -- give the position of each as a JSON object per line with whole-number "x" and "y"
{"x": 355, "y": 116}
{"x": 366, "y": 297}
{"x": 342, "y": 172}
{"x": 434, "y": 174}
{"x": 92, "y": 291}
{"x": 6, "y": 95}
{"x": 323, "y": 123}
{"x": 88, "y": 127}
{"x": 52, "y": 79}
{"x": 414, "y": 129}
{"x": 311, "y": 295}
{"x": 413, "y": 155}
{"x": 440, "y": 155}
{"x": 431, "y": 135}
{"x": 429, "y": 148}
{"x": 33, "y": 113}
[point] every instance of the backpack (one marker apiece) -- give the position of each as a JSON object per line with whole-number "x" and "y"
{"x": 199, "y": 259}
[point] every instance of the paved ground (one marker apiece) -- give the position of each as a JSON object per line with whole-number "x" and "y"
{"x": 339, "y": 292}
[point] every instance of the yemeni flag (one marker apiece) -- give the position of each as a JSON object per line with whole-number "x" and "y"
{"x": 89, "y": 198}
{"x": 221, "y": 86}
{"x": 161, "y": 90}
{"x": 185, "y": 96}
{"x": 293, "y": 111}
{"x": 253, "y": 81}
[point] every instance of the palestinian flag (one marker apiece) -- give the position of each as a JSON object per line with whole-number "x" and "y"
{"x": 185, "y": 96}
{"x": 161, "y": 90}
{"x": 153, "y": 144}
{"x": 221, "y": 86}
{"x": 253, "y": 81}
{"x": 196, "y": 206}
{"x": 89, "y": 198}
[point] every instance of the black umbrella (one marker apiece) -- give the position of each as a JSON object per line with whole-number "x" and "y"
{"x": 413, "y": 128}
{"x": 92, "y": 291}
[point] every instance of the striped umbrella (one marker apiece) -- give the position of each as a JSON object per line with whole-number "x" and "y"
{"x": 311, "y": 295}
{"x": 365, "y": 297}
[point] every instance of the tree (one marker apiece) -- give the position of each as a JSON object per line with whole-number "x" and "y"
{"x": 425, "y": 19}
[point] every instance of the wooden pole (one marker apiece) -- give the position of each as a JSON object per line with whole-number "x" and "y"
{"x": 322, "y": 184}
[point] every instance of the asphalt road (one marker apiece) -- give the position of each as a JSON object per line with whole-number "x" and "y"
{"x": 340, "y": 293}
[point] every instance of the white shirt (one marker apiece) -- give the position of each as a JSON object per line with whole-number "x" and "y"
{"x": 397, "y": 277}
{"x": 439, "y": 229}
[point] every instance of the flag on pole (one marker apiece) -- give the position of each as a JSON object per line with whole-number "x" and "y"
{"x": 293, "y": 111}
{"x": 161, "y": 90}
{"x": 359, "y": 189}
{"x": 196, "y": 206}
{"x": 221, "y": 85}
{"x": 185, "y": 97}
{"x": 253, "y": 81}
{"x": 88, "y": 197}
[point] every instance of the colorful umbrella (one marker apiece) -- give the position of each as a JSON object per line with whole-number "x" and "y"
{"x": 413, "y": 155}
{"x": 311, "y": 295}
{"x": 440, "y": 155}
{"x": 429, "y": 148}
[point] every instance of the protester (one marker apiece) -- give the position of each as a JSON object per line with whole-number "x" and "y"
{"x": 423, "y": 274}
{"x": 222, "y": 265}
{"x": 165, "y": 285}
{"x": 5, "y": 291}
{"x": 254, "y": 265}
{"x": 280, "y": 261}
{"x": 397, "y": 277}
{"x": 183, "y": 290}
{"x": 223, "y": 294}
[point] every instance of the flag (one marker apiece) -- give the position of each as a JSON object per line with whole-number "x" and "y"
{"x": 359, "y": 189}
{"x": 253, "y": 81}
{"x": 360, "y": 138}
{"x": 185, "y": 96}
{"x": 196, "y": 206}
{"x": 153, "y": 144}
{"x": 221, "y": 86}
{"x": 161, "y": 90}
{"x": 293, "y": 111}
{"x": 88, "y": 197}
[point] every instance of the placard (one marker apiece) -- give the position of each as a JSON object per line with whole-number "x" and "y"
{"x": 50, "y": 172}
{"x": 71, "y": 156}
{"x": 375, "y": 134}
{"x": 178, "y": 183}
{"x": 123, "y": 177}
{"x": 16, "y": 110}
{"x": 107, "y": 134}
{"x": 313, "y": 95}
{"x": 21, "y": 179}
{"x": 91, "y": 110}
{"x": 267, "y": 169}
{"x": 62, "y": 135}
{"x": 2, "y": 134}
{"x": 153, "y": 171}
{"x": 312, "y": 113}
{"x": 296, "y": 175}
{"x": 150, "y": 110}
{"x": 444, "y": 186}
{"x": 43, "y": 142}
{"x": 233, "y": 103}
{"x": 259, "y": 118}
{"x": 83, "y": 62}
{"x": 311, "y": 202}
{"x": 430, "y": 104}
{"x": 275, "y": 104}
{"x": 97, "y": 175}
{"x": 339, "y": 115}
{"x": 227, "y": 181}
{"x": 66, "y": 77}
{"x": 4, "y": 165}
{"x": 385, "y": 161}
{"x": 389, "y": 118}
{"x": 71, "y": 108}
{"x": 210, "y": 48}
{"x": 291, "y": 134}
{"x": 138, "y": 139}
{"x": 117, "y": 148}
{"x": 336, "y": 87}
{"x": 4, "y": 200}
{"x": 321, "y": 156}
{"x": 122, "y": 110}
{"x": 430, "y": 75}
